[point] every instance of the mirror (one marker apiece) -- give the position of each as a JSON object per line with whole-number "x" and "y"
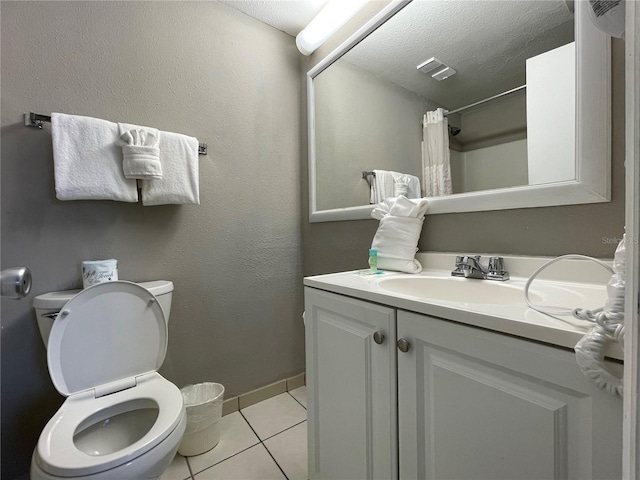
{"x": 531, "y": 107}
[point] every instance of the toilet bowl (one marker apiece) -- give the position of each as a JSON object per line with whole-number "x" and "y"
{"x": 121, "y": 418}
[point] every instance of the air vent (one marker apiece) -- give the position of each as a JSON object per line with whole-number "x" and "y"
{"x": 444, "y": 73}
{"x": 429, "y": 65}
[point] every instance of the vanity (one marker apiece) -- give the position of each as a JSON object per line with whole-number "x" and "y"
{"x": 433, "y": 377}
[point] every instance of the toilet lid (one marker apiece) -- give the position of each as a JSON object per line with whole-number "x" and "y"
{"x": 110, "y": 332}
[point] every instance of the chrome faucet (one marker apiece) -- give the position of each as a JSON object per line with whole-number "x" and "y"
{"x": 469, "y": 266}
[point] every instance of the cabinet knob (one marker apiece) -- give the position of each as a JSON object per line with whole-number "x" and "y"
{"x": 378, "y": 337}
{"x": 403, "y": 345}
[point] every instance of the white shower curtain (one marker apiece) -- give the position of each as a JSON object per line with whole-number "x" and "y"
{"x": 436, "y": 167}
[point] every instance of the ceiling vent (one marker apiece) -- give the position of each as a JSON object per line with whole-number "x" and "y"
{"x": 429, "y": 65}
{"x": 443, "y": 71}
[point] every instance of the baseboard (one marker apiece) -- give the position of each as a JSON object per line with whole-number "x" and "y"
{"x": 263, "y": 393}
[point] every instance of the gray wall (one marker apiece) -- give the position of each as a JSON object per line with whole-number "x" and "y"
{"x": 362, "y": 123}
{"x": 198, "y": 68}
{"x": 536, "y": 231}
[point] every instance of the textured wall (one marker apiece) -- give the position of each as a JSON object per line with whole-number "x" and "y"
{"x": 582, "y": 229}
{"x": 362, "y": 123}
{"x": 199, "y": 68}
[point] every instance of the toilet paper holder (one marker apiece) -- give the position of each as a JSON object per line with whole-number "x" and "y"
{"x": 15, "y": 283}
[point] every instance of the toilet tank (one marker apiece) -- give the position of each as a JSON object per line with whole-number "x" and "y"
{"x": 49, "y": 304}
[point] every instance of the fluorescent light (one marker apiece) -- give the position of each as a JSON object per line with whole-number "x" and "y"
{"x": 333, "y": 16}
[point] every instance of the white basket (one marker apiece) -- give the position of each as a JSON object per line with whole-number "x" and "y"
{"x": 203, "y": 403}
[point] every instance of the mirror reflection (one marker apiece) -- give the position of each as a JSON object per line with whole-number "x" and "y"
{"x": 447, "y": 97}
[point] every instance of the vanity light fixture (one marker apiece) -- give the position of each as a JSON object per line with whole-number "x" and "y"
{"x": 333, "y": 16}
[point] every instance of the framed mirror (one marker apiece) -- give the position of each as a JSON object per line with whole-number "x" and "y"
{"x": 527, "y": 107}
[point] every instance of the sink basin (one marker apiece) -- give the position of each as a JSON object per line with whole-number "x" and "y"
{"x": 461, "y": 290}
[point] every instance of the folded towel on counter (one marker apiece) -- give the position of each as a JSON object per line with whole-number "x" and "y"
{"x": 179, "y": 182}
{"x": 87, "y": 162}
{"x": 384, "y": 185}
{"x": 396, "y": 239}
{"x": 140, "y": 152}
{"x": 400, "y": 207}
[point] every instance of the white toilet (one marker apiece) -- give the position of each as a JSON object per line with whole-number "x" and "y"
{"x": 121, "y": 420}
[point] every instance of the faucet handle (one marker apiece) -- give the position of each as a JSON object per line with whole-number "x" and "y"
{"x": 496, "y": 264}
{"x": 497, "y": 270}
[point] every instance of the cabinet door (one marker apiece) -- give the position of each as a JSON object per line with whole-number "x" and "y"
{"x": 480, "y": 405}
{"x": 351, "y": 383}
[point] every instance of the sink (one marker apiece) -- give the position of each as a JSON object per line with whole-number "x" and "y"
{"x": 461, "y": 290}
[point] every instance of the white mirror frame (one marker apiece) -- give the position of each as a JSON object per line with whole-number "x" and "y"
{"x": 593, "y": 133}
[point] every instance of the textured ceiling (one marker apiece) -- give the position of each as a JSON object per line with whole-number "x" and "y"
{"x": 290, "y": 16}
{"x": 486, "y": 42}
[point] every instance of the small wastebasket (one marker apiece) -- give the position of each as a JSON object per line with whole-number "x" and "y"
{"x": 203, "y": 403}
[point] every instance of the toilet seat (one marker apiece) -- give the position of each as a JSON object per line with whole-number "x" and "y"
{"x": 57, "y": 452}
{"x": 104, "y": 337}
{"x": 103, "y": 354}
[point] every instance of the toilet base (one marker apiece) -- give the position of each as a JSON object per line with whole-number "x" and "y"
{"x": 148, "y": 466}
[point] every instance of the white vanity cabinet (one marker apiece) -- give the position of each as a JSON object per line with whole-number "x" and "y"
{"x": 460, "y": 403}
{"x": 474, "y": 404}
{"x": 351, "y": 387}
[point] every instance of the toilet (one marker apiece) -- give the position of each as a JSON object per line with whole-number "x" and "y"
{"x": 121, "y": 418}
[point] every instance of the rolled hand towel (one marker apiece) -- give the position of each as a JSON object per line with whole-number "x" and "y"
{"x": 87, "y": 162}
{"x": 140, "y": 154}
{"x": 396, "y": 239}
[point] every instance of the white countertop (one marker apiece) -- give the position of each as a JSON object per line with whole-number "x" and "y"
{"x": 514, "y": 319}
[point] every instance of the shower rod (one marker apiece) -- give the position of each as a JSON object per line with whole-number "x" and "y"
{"x": 513, "y": 90}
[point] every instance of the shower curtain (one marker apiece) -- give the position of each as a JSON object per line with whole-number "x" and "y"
{"x": 436, "y": 168}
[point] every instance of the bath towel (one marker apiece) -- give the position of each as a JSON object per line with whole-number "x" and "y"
{"x": 87, "y": 161}
{"x": 384, "y": 185}
{"x": 179, "y": 183}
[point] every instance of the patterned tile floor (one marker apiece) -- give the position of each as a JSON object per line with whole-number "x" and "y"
{"x": 267, "y": 440}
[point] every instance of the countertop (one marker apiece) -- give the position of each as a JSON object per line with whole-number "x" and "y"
{"x": 513, "y": 319}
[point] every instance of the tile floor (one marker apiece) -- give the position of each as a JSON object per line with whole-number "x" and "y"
{"x": 267, "y": 440}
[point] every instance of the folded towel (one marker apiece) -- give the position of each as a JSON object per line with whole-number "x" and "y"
{"x": 397, "y": 236}
{"x": 401, "y": 207}
{"x": 396, "y": 241}
{"x": 386, "y": 184}
{"x": 87, "y": 162}
{"x": 179, "y": 183}
{"x": 140, "y": 153}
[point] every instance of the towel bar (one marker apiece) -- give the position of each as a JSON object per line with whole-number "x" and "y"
{"x": 36, "y": 120}
{"x": 366, "y": 176}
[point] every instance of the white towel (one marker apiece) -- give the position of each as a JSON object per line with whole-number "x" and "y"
{"x": 396, "y": 239}
{"x": 87, "y": 162}
{"x": 179, "y": 183}
{"x": 414, "y": 187}
{"x": 383, "y": 185}
{"x": 401, "y": 207}
{"x": 140, "y": 152}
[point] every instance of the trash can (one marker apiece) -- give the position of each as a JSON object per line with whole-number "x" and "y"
{"x": 203, "y": 403}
